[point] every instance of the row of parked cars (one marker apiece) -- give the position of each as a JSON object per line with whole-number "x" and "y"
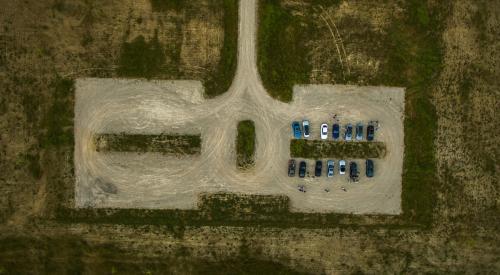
{"x": 330, "y": 168}
{"x": 299, "y": 130}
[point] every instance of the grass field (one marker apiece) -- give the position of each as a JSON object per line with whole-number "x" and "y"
{"x": 282, "y": 52}
{"x": 165, "y": 144}
{"x": 245, "y": 144}
{"x": 223, "y": 75}
{"x": 316, "y": 149}
{"x": 152, "y": 59}
{"x": 444, "y": 52}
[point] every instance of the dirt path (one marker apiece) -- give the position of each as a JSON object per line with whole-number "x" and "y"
{"x": 156, "y": 181}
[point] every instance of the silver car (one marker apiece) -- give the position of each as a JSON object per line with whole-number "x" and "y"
{"x": 305, "y": 126}
{"x": 342, "y": 167}
{"x": 330, "y": 164}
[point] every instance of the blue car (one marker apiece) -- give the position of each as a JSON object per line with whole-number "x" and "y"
{"x": 370, "y": 132}
{"x": 297, "y": 132}
{"x": 348, "y": 132}
{"x": 336, "y": 131}
{"x": 359, "y": 131}
{"x": 369, "y": 168}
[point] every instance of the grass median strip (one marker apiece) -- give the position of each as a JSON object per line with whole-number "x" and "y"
{"x": 245, "y": 144}
{"x": 162, "y": 143}
{"x": 314, "y": 149}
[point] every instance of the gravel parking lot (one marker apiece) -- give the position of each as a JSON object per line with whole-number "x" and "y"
{"x": 156, "y": 181}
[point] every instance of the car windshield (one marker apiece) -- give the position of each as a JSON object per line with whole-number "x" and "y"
{"x": 306, "y": 128}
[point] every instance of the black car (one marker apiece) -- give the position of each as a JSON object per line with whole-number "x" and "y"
{"x": 318, "y": 168}
{"x": 353, "y": 171}
{"x": 370, "y": 132}
{"x": 302, "y": 169}
{"x": 369, "y": 168}
{"x": 291, "y": 168}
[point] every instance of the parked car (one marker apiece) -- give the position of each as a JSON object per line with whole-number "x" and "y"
{"x": 359, "y": 131}
{"x": 370, "y": 132}
{"x": 336, "y": 131}
{"x": 305, "y": 126}
{"x": 330, "y": 166}
{"x": 348, "y": 132}
{"x": 297, "y": 133}
{"x": 324, "y": 131}
{"x": 369, "y": 168}
{"x": 291, "y": 168}
{"x": 318, "y": 168}
{"x": 353, "y": 171}
{"x": 342, "y": 167}
{"x": 302, "y": 169}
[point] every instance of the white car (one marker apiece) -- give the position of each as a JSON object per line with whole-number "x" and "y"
{"x": 324, "y": 131}
{"x": 305, "y": 126}
{"x": 342, "y": 167}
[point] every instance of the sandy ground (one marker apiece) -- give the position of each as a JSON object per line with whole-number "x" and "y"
{"x": 157, "y": 181}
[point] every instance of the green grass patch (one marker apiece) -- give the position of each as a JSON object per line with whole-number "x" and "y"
{"x": 149, "y": 59}
{"x": 141, "y": 58}
{"x": 317, "y": 149}
{"x": 245, "y": 144}
{"x": 165, "y": 144}
{"x": 282, "y": 51}
{"x": 58, "y": 121}
{"x": 219, "y": 81}
{"x": 68, "y": 254}
{"x": 227, "y": 204}
{"x": 417, "y": 42}
{"x": 165, "y": 5}
{"x": 218, "y": 214}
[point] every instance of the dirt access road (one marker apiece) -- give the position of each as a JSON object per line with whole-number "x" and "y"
{"x": 156, "y": 181}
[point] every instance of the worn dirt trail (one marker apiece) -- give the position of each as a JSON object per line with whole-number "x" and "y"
{"x": 157, "y": 181}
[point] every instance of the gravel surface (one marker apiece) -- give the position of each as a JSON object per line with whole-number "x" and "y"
{"x": 155, "y": 181}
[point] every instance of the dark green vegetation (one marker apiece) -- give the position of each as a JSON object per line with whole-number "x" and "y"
{"x": 221, "y": 79}
{"x": 224, "y": 204}
{"x": 72, "y": 255}
{"x": 152, "y": 59}
{"x": 163, "y": 143}
{"x": 58, "y": 121}
{"x": 316, "y": 149}
{"x": 418, "y": 53}
{"x": 165, "y": 5}
{"x": 226, "y": 209}
{"x": 245, "y": 144}
{"x": 141, "y": 58}
{"x": 282, "y": 52}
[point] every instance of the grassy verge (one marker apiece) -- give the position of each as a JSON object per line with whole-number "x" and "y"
{"x": 245, "y": 144}
{"x": 220, "y": 80}
{"x": 69, "y": 254}
{"x": 316, "y": 149}
{"x": 224, "y": 204}
{"x": 282, "y": 51}
{"x": 215, "y": 213}
{"x": 165, "y": 144}
{"x": 58, "y": 121}
{"x": 141, "y": 58}
{"x": 416, "y": 43}
{"x": 147, "y": 59}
